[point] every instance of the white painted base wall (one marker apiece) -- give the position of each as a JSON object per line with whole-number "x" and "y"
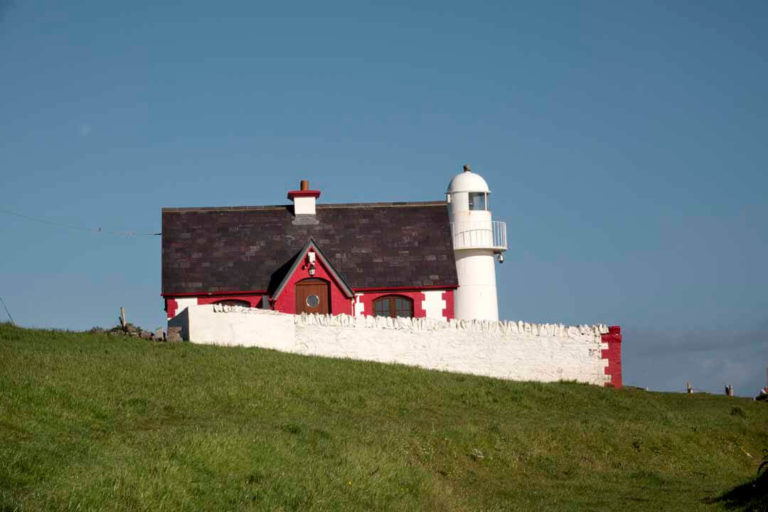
{"x": 433, "y": 304}
{"x": 475, "y": 298}
{"x": 507, "y": 350}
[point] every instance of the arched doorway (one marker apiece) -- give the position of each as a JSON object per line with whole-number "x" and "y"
{"x": 313, "y": 296}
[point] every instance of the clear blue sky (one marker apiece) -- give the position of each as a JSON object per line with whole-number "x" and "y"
{"x": 624, "y": 142}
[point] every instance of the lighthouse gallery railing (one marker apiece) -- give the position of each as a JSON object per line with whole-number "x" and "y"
{"x": 481, "y": 235}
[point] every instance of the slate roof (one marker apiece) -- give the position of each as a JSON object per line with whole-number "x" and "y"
{"x": 371, "y": 245}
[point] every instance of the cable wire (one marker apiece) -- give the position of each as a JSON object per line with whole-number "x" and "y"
{"x": 98, "y": 230}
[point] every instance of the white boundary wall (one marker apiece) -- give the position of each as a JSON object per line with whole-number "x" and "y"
{"x": 507, "y": 350}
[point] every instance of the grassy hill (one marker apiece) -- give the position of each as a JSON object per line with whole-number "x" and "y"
{"x": 94, "y": 422}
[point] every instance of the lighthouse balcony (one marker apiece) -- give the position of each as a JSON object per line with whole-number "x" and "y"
{"x": 481, "y": 235}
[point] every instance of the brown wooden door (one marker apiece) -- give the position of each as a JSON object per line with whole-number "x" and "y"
{"x": 313, "y": 296}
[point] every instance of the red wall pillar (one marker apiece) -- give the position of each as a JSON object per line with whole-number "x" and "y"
{"x": 448, "y": 309}
{"x": 170, "y": 307}
{"x": 613, "y": 355}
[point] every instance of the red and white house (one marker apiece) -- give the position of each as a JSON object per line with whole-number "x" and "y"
{"x": 433, "y": 260}
{"x": 382, "y": 259}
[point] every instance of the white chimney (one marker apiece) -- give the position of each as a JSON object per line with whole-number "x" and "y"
{"x": 304, "y": 199}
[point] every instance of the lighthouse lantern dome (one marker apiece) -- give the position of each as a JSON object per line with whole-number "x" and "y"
{"x": 468, "y": 181}
{"x": 469, "y": 189}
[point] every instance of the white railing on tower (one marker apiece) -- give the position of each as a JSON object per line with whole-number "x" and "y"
{"x": 480, "y": 235}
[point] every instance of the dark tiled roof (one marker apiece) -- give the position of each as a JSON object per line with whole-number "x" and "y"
{"x": 373, "y": 245}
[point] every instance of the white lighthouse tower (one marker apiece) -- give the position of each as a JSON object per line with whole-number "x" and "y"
{"x": 477, "y": 239}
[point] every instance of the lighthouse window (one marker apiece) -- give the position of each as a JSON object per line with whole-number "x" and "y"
{"x": 393, "y": 306}
{"x": 478, "y": 201}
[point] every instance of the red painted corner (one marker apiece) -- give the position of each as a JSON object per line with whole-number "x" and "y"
{"x": 170, "y": 307}
{"x": 448, "y": 313}
{"x": 613, "y": 355}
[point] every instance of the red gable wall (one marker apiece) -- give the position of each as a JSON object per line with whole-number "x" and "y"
{"x": 286, "y": 302}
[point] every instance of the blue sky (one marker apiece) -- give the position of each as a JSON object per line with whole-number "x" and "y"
{"x": 624, "y": 143}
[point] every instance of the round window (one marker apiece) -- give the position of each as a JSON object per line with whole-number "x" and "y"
{"x": 313, "y": 301}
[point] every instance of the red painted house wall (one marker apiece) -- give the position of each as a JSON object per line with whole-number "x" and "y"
{"x": 253, "y": 300}
{"x": 417, "y": 296}
{"x": 339, "y": 302}
{"x": 286, "y": 302}
{"x": 613, "y": 355}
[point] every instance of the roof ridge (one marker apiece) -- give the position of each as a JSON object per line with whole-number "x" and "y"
{"x": 326, "y": 206}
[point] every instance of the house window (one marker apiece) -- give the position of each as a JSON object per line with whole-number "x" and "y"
{"x": 478, "y": 200}
{"x": 393, "y": 306}
{"x": 234, "y": 302}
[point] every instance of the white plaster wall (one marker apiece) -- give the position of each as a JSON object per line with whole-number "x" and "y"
{"x": 459, "y": 202}
{"x": 475, "y": 298}
{"x": 433, "y": 304}
{"x": 507, "y": 350}
{"x": 184, "y": 303}
{"x": 269, "y": 329}
{"x": 304, "y": 205}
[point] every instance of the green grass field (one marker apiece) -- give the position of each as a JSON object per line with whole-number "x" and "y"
{"x": 92, "y": 422}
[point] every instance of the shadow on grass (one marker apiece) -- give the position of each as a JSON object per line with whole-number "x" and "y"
{"x": 749, "y": 497}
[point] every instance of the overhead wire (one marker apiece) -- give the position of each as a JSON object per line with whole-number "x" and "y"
{"x": 97, "y": 230}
